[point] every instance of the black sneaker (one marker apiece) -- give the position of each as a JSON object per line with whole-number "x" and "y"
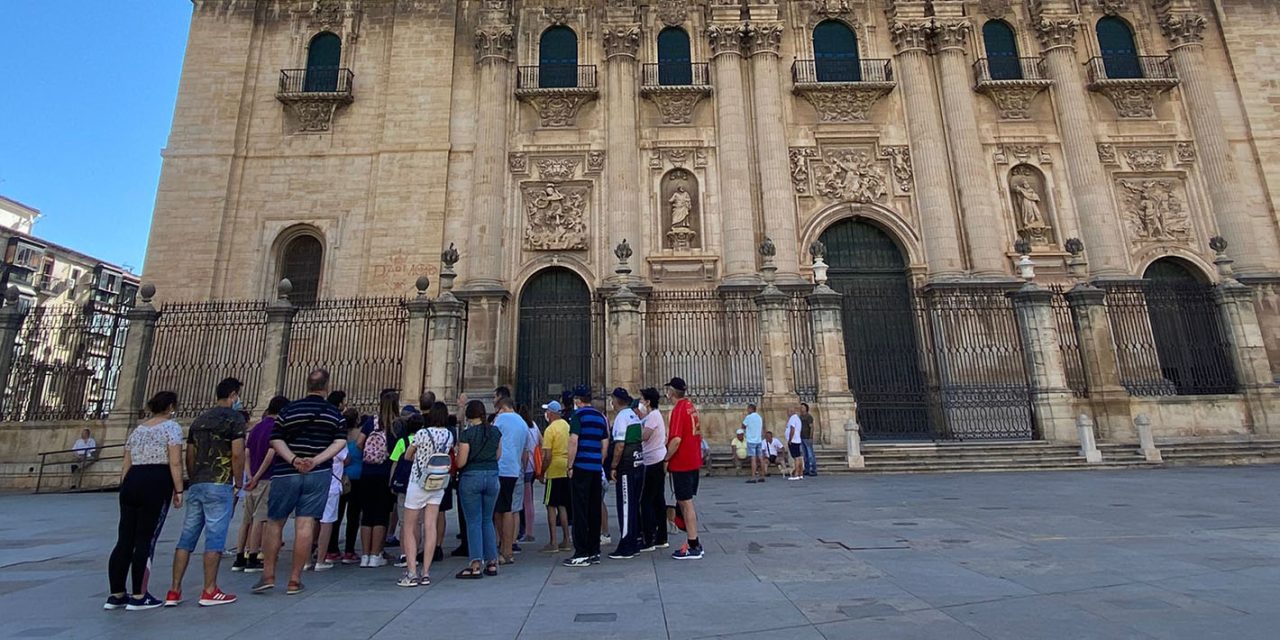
{"x": 595, "y": 559}
{"x": 116, "y": 602}
{"x": 253, "y": 565}
{"x": 438, "y": 556}
{"x": 620, "y": 554}
{"x": 581, "y": 561}
{"x": 147, "y": 601}
{"x": 240, "y": 563}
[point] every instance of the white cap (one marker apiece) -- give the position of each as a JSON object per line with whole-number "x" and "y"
{"x": 740, "y": 432}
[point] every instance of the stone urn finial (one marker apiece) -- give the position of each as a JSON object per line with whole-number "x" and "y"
{"x": 147, "y": 291}
{"x": 11, "y": 296}
{"x": 817, "y": 250}
{"x": 449, "y": 256}
{"x": 422, "y": 284}
{"x": 1077, "y": 266}
{"x": 623, "y": 253}
{"x": 284, "y": 289}
{"x": 1221, "y": 260}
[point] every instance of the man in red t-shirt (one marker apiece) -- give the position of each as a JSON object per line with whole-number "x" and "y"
{"x": 684, "y": 460}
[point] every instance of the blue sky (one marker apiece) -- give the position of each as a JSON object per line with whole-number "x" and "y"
{"x": 89, "y": 92}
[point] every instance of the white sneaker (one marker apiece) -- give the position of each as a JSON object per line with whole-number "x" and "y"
{"x": 377, "y": 561}
{"x": 323, "y": 566}
{"x": 366, "y": 562}
{"x": 310, "y": 566}
{"x": 606, "y": 539}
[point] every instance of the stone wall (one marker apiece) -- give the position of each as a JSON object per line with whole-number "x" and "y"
{"x": 22, "y": 442}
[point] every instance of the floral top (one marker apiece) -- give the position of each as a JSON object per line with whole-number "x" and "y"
{"x": 429, "y": 441}
{"x": 150, "y": 444}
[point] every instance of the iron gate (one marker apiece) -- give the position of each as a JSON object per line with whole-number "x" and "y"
{"x": 558, "y": 322}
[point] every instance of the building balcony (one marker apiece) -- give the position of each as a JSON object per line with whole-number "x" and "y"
{"x": 842, "y": 90}
{"x": 676, "y": 88}
{"x": 1131, "y": 83}
{"x": 312, "y": 95}
{"x": 557, "y": 91}
{"x": 1011, "y": 83}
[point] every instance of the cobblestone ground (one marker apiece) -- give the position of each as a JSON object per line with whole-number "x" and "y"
{"x": 1178, "y": 553}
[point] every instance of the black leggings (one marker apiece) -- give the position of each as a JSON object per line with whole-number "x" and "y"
{"x": 144, "y": 503}
{"x": 653, "y": 505}
{"x": 376, "y": 501}
{"x": 348, "y": 509}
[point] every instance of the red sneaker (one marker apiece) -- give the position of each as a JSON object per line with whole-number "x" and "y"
{"x": 173, "y": 599}
{"x": 350, "y": 558}
{"x": 332, "y": 558}
{"x": 217, "y": 597}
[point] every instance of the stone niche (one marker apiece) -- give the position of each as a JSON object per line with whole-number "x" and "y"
{"x": 680, "y": 198}
{"x": 1031, "y": 205}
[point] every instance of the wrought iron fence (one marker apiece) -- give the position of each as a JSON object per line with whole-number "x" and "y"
{"x": 1136, "y": 356}
{"x": 1192, "y": 346}
{"x": 66, "y": 363}
{"x": 804, "y": 359}
{"x": 1069, "y": 344}
{"x": 711, "y": 340}
{"x": 198, "y": 344}
{"x": 360, "y": 341}
{"x": 833, "y": 70}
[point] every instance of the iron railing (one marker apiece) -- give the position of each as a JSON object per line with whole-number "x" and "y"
{"x": 556, "y": 76}
{"x": 360, "y": 341}
{"x": 1069, "y": 343}
{"x": 711, "y": 340}
{"x": 804, "y": 356}
{"x": 317, "y": 80}
{"x": 1131, "y": 68}
{"x": 1010, "y": 68}
{"x": 198, "y": 344}
{"x": 70, "y": 458}
{"x": 66, "y": 363}
{"x": 677, "y": 74}
{"x": 841, "y": 71}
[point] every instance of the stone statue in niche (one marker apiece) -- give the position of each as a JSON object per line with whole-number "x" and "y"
{"x": 679, "y": 196}
{"x": 1026, "y": 189}
{"x": 556, "y": 217}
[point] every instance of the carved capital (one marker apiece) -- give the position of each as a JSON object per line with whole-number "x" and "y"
{"x": 951, "y": 34}
{"x": 764, "y": 38}
{"x": 494, "y": 41}
{"x": 1057, "y": 32}
{"x": 725, "y": 39}
{"x": 621, "y": 41}
{"x": 910, "y": 35}
{"x": 1183, "y": 29}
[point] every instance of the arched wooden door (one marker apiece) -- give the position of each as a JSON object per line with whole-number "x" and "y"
{"x": 882, "y": 349}
{"x": 553, "y": 348}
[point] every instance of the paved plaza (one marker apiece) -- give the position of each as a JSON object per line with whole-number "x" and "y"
{"x": 1173, "y": 553}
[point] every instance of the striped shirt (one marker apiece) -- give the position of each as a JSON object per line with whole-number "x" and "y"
{"x": 308, "y": 426}
{"x": 592, "y": 430}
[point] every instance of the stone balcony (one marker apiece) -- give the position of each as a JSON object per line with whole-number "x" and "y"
{"x": 676, "y": 88}
{"x": 842, "y": 90}
{"x": 1011, "y": 83}
{"x": 1131, "y": 83}
{"x": 313, "y": 95}
{"x": 557, "y": 91}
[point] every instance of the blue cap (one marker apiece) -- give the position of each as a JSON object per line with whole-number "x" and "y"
{"x": 554, "y": 405}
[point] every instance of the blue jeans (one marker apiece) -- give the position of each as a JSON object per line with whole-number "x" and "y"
{"x": 208, "y": 509}
{"x": 810, "y": 460}
{"x": 303, "y": 495}
{"x": 478, "y": 491}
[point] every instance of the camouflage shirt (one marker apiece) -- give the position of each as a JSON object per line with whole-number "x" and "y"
{"x": 210, "y": 441}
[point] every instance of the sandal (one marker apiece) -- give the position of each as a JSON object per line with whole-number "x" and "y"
{"x": 408, "y": 580}
{"x": 469, "y": 573}
{"x": 424, "y": 581}
{"x": 295, "y": 588}
{"x": 505, "y": 560}
{"x": 491, "y": 569}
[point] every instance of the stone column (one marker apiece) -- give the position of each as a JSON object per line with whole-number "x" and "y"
{"x": 625, "y": 339}
{"x": 775, "y": 333}
{"x": 11, "y": 317}
{"x": 836, "y": 406}
{"x": 1185, "y": 32}
{"x": 928, "y": 148}
{"x": 771, "y": 149}
{"x": 415, "y": 342}
{"x": 494, "y": 43}
{"x": 1239, "y": 320}
{"x": 1050, "y": 396}
{"x": 983, "y": 226}
{"x": 1110, "y": 400}
{"x": 738, "y": 232}
{"x": 131, "y": 385}
{"x": 275, "y": 351}
{"x": 1090, "y": 188}
{"x": 622, "y": 165}
{"x": 445, "y": 337}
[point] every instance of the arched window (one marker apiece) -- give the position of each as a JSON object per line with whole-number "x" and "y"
{"x": 1002, "y": 50}
{"x": 835, "y": 52}
{"x": 1192, "y": 348}
{"x": 301, "y": 260}
{"x": 558, "y": 58}
{"x": 1119, "y": 53}
{"x": 675, "y": 62}
{"x": 324, "y": 55}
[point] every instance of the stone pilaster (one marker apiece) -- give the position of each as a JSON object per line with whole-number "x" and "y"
{"x": 444, "y": 347}
{"x": 415, "y": 342}
{"x": 737, "y": 218}
{"x": 836, "y": 406}
{"x": 1110, "y": 400}
{"x": 626, "y": 333}
{"x": 1249, "y": 355}
{"x": 1185, "y": 32}
{"x": 1090, "y": 188}
{"x": 771, "y": 148}
{"x": 622, "y": 169}
{"x": 779, "y": 370}
{"x": 982, "y": 222}
{"x": 494, "y": 43}
{"x": 1050, "y": 397}
{"x": 485, "y": 334}
{"x": 275, "y": 345}
{"x": 928, "y": 148}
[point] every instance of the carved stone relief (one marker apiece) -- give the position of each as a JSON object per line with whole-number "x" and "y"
{"x": 557, "y": 169}
{"x": 995, "y": 8}
{"x": 678, "y": 157}
{"x": 1146, "y": 159}
{"x": 800, "y": 157}
{"x": 557, "y": 108}
{"x": 1154, "y": 209}
{"x": 899, "y": 158}
{"x": 1186, "y": 152}
{"x": 680, "y": 208}
{"x": 518, "y": 162}
{"x": 675, "y": 103}
{"x": 311, "y": 116}
{"x": 849, "y": 103}
{"x": 1132, "y": 100}
{"x": 1107, "y": 154}
{"x": 673, "y": 13}
{"x": 1029, "y": 196}
{"x": 595, "y": 161}
{"x": 1007, "y": 153}
{"x": 851, "y": 175}
{"x": 556, "y": 215}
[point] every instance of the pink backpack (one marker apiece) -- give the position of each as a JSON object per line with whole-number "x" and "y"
{"x": 375, "y": 445}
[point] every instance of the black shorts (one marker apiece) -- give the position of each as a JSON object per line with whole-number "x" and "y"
{"x": 794, "y": 449}
{"x": 506, "y": 491}
{"x": 556, "y": 493}
{"x": 684, "y": 484}
{"x": 446, "y": 503}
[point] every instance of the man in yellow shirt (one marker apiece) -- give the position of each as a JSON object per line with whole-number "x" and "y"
{"x": 555, "y": 475}
{"x": 739, "y": 446}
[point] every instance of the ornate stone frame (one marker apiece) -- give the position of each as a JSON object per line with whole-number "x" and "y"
{"x": 313, "y": 112}
{"x": 558, "y": 108}
{"x": 840, "y": 102}
{"x": 1012, "y": 97}
{"x": 1007, "y": 156}
{"x": 1133, "y": 98}
{"x": 697, "y": 264}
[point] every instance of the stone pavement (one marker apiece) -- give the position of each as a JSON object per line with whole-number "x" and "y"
{"x": 1169, "y": 553}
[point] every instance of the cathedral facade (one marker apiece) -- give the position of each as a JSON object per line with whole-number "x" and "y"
{"x": 569, "y": 149}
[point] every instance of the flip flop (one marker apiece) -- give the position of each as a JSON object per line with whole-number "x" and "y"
{"x": 491, "y": 569}
{"x": 468, "y": 573}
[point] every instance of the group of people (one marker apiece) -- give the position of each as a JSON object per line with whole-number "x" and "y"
{"x": 319, "y": 461}
{"x": 757, "y": 446}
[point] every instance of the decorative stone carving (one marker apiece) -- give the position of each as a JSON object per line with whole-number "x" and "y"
{"x": 832, "y": 8}
{"x": 1183, "y": 28}
{"x": 700, "y": 157}
{"x": 556, "y": 216}
{"x": 678, "y": 157}
{"x": 1030, "y": 205}
{"x": 494, "y": 41}
{"x": 673, "y": 13}
{"x": 675, "y": 103}
{"x": 621, "y": 41}
{"x": 763, "y": 38}
{"x": 899, "y": 158}
{"x": 557, "y": 169}
{"x": 800, "y": 157}
{"x": 1185, "y": 152}
{"x": 1057, "y": 32}
{"x": 1146, "y": 159}
{"x": 1107, "y": 154}
{"x": 595, "y": 161}
{"x": 312, "y": 115}
{"x": 851, "y": 176}
{"x": 1013, "y": 97}
{"x": 1153, "y": 210}
{"x": 1022, "y": 153}
{"x": 995, "y": 8}
{"x": 725, "y": 39}
{"x": 908, "y": 35}
{"x": 1132, "y": 98}
{"x": 556, "y": 15}
{"x": 518, "y": 162}
{"x": 327, "y": 12}
{"x": 843, "y": 102}
{"x": 951, "y": 34}
{"x": 1112, "y": 7}
{"x": 679, "y": 193}
{"x": 557, "y": 108}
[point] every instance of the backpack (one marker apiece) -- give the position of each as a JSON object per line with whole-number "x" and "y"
{"x": 375, "y": 445}
{"x": 436, "y": 469}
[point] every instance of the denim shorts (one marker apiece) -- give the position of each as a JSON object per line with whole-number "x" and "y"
{"x": 303, "y": 495}
{"x": 753, "y": 449}
{"x": 208, "y": 507}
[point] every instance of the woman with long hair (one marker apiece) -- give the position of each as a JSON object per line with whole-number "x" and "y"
{"x": 428, "y": 453}
{"x": 375, "y": 497}
{"x": 478, "y": 451}
{"x": 151, "y": 479}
